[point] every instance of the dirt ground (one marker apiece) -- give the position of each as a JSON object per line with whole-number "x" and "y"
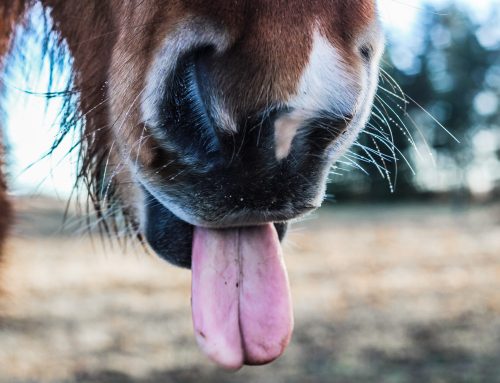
{"x": 381, "y": 294}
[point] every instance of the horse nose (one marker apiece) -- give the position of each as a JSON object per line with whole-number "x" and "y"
{"x": 197, "y": 122}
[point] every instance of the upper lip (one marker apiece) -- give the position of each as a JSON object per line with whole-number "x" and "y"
{"x": 253, "y": 218}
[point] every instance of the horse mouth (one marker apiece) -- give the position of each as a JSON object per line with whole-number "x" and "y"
{"x": 241, "y": 302}
{"x": 171, "y": 237}
{"x": 225, "y": 213}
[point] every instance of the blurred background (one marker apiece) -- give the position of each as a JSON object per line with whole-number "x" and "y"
{"x": 396, "y": 279}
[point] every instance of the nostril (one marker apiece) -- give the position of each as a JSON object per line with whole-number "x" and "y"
{"x": 366, "y": 51}
{"x": 201, "y": 59}
{"x": 326, "y": 129}
{"x": 186, "y": 122}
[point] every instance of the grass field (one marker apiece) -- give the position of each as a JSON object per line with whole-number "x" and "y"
{"x": 381, "y": 294}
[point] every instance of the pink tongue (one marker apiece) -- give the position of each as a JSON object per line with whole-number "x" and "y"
{"x": 242, "y": 309}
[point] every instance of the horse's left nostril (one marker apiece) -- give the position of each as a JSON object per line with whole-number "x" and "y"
{"x": 311, "y": 135}
{"x": 366, "y": 52}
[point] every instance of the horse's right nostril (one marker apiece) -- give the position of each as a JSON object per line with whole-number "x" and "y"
{"x": 186, "y": 123}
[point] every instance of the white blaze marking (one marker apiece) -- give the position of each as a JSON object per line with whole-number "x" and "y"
{"x": 325, "y": 85}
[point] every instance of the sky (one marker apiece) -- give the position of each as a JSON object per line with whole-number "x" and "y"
{"x": 31, "y": 123}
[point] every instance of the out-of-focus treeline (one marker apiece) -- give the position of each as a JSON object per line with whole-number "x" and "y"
{"x": 439, "y": 94}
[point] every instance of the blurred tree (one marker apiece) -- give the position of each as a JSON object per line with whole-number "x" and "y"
{"x": 447, "y": 84}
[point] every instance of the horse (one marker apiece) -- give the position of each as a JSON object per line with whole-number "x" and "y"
{"x": 206, "y": 127}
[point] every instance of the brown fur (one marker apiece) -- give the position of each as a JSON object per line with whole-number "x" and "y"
{"x": 113, "y": 42}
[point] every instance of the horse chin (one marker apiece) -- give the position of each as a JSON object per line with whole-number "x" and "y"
{"x": 171, "y": 237}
